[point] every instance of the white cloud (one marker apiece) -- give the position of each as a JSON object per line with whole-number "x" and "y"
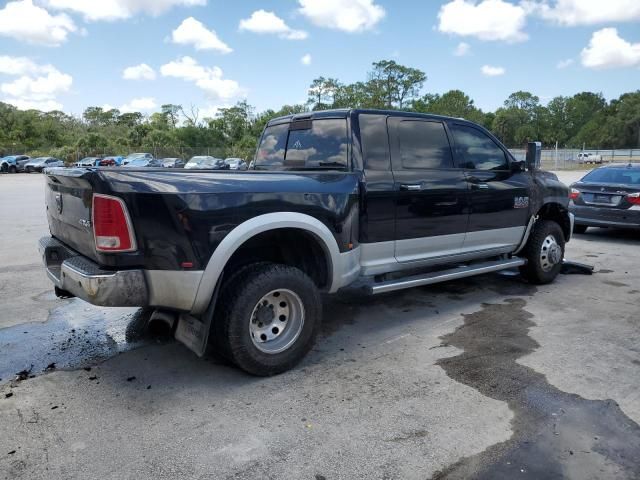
{"x": 193, "y": 32}
{"x": 19, "y": 65}
{"x": 346, "y": 15}
{"x": 36, "y": 86}
{"x": 42, "y": 105}
{"x": 139, "y": 72}
{"x": 608, "y": 50}
{"x": 562, "y": 64}
{"x": 110, "y": 10}
{"x": 487, "y": 20}
{"x": 24, "y": 21}
{"x": 142, "y": 104}
{"x": 491, "y": 71}
{"x": 586, "y": 12}
{"x": 462, "y": 49}
{"x": 208, "y": 79}
{"x": 262, "y": 21}
{"x": 306, "y": 59}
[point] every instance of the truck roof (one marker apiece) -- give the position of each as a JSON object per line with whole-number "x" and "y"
{"x": 346, "y": 112}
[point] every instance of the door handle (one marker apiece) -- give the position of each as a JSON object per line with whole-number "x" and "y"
{"x": 480, "y": 186}
{"x": 412, "y": 187}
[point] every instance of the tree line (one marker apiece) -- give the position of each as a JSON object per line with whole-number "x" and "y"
{"x": 585, "y": 119}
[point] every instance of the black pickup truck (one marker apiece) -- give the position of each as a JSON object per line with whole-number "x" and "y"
{"x": 374, "y": 200}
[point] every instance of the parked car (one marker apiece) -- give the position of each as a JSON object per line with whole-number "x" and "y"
{"x": 236, "y": 163}
{"x": 206, "y": 162}
{"x": 40, "y": 163}
{"x": 14, "y": 163}
{"x": 588, "y": 158}
{"x": 113, "y": 161}
{"x": 242, "y": 259}
{"x": 172, "y": 163}
{"x": 88, "y": 162}
{"x": 608, "y": 196}
{"x": 135, "y": 156}
{"x": 143, "y": 162}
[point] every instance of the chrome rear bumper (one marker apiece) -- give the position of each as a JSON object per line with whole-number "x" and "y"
{"x": 70, "y": 271}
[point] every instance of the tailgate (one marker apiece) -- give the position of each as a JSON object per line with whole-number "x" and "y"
{"x": 68, "y": 196}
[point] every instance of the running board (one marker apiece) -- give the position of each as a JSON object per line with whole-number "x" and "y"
{"x": 445, "y": 275}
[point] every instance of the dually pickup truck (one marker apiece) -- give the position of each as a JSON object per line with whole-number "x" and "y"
{"x": 371, "y": 200}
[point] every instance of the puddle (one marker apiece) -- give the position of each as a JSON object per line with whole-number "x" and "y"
{"x": 555, "y": 434}
{"x": 76, "y": 334}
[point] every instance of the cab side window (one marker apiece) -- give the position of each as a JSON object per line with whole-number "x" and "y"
{"x": 424, "y": 145}
{"x": 375, "y": 142}
{"x": 478, "y": 150}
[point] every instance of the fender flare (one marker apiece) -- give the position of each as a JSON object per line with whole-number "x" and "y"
{"x": 254, "y": 226}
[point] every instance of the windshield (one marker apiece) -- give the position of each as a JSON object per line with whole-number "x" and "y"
{"x": 138, "y": 162}
{"x": 319, "y": 144}
{"x": 133, "y": 156}
{"x": 202, "y": 162}
{"x": 619, "y": 176}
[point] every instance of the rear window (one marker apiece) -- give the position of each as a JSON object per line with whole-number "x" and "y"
{"x": 621, "y": 176}
{"x": 322, "y": 144}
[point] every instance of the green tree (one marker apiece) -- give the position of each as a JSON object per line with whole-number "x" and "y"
{"x": 322, "y": 93}
{"x": 394, "y": 84}
{"x": 453, "y": 103}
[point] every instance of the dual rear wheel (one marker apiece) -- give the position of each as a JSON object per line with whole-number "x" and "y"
{"x": 267, "y": 318}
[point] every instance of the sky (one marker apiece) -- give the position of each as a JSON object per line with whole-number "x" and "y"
{"x": 136, "y": 55}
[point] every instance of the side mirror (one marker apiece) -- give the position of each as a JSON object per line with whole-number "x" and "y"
{"x": 518, "y": 166}
{"x": 534, "y": 154}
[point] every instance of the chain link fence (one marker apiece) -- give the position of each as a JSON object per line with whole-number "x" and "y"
{"x": 569, "y": 159}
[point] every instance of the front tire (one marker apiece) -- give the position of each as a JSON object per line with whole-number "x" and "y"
{"x": 13, "y": 169}
{"x": 544, "y": 253}
{"x": 267, "y": 318}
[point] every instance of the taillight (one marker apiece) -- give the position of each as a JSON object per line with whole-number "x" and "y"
{"x": 112, "y": 228}
{"x": 633, "y": 198}
{"x": 574, "y": 193}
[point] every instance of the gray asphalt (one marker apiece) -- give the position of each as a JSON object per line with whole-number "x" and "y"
{"x": 487, "y": 377}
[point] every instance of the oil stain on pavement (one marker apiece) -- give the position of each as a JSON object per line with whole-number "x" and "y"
{"x": 76, "y": 334}
{"x": 555, "y": 434}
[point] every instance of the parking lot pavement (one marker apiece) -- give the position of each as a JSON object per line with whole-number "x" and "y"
{"x": 26, "y": 292}
{"x": 487, "y": 376}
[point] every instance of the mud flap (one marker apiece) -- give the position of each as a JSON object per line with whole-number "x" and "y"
{"x": 569, "y": 267}
{"x": 194, "y": 332}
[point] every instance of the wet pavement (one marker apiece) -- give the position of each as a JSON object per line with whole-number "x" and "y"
{"x": 555, "y": 434}
{"x": 75, "y": 335}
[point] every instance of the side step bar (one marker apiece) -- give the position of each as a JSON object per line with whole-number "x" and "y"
{"x": 445, "y": 275}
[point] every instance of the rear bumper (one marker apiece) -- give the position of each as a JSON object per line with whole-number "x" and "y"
{"x": 86, "y": 280}
{"x": 606, "y": 217}
{"x": 83, "y": 278}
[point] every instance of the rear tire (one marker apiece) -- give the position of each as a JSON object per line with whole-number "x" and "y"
{"x": 580, "y": 229}
{"x": 544, "y": 253}
{"x": 267, "y": 318}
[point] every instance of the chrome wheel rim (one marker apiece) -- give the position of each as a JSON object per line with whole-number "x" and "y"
{"x": 276, "y": 321}
{"x": 550, "y": 253}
